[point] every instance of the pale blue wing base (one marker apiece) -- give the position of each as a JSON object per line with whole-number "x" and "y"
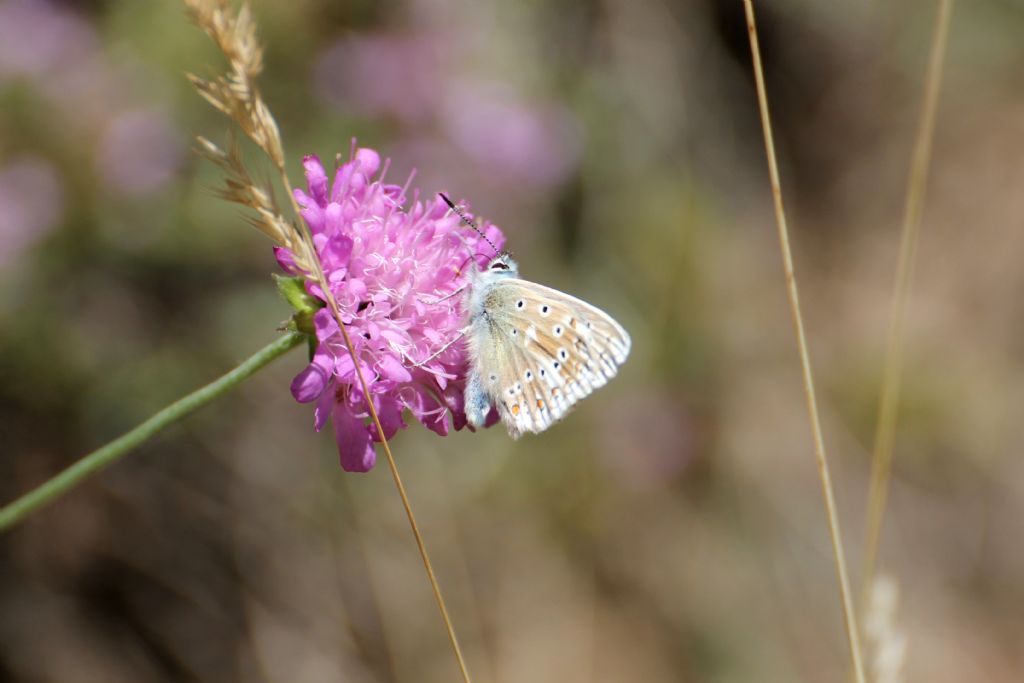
{"x": 478, "y": 402}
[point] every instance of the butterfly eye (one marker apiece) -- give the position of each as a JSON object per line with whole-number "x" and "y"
{"x": 499, "y": 265}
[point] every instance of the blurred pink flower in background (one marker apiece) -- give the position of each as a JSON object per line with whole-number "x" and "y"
{"x": 94, "y": 98}
{"x": 382, "y": 75}
{"x": 37, "y": 37}
{"x": 537, "y": 144}
{"x": 56, "y": 52}
{"x": 389, "y": 269}
{"x": 31, "y": 203}
{"x": 140, "y": 152}
{"x": 419, "y": 80}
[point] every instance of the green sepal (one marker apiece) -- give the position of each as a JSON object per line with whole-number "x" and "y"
{"x": 311, "y": 341}
{"x": 304, "y": 304}
{"x": 293, "y": 289}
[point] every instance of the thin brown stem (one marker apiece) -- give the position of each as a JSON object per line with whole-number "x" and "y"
{"x": 392, "y": 465}
{"x": 888, "y": 404}
{"x": 852, "y": 632}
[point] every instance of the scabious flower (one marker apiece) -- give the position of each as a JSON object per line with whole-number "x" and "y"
{"x": 392, "y": 271}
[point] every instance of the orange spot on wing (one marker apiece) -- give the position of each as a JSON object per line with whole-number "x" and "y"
{"x": 515, "y": 409}
{"x": 540, "y": 403}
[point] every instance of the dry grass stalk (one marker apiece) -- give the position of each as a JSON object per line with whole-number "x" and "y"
{"x": 888, "y": 403}
{"x": 887, "y": 642}
{"x": 235, "y": 94}
{"x": 849, "y": 614}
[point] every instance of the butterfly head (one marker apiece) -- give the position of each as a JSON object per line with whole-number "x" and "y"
{"x": 502, "y": 266}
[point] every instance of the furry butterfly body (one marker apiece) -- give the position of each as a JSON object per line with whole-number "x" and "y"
{"x": 534, "y": 351}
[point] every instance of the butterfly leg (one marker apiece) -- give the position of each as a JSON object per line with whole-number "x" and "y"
{"x": 444, "y": 298}
{"x": 457, "y": 339}
{"x": 477, "y": 402}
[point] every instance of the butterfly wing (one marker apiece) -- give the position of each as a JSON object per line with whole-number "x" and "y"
{"x": 537, "y": 351}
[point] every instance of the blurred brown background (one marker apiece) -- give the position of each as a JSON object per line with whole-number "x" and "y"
{"x": 671, "y": 529}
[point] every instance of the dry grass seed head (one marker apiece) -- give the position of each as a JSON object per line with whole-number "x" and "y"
{"x": 235, "y": 35}
{"x": 235, "y": 94}
{"x": 887, "y": 641}
{"x": 240, "y": 188}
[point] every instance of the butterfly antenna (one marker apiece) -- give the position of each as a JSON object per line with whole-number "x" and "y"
{"x": 467, "y": 221}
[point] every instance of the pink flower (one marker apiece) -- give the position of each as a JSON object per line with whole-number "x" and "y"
{"x": 390, "y": 74}
{"x": 31, "y": 205}
{"x": 526, "y": 143}
{"x": 38, "y": 39}
{"x": 390, "y": 269}
{"x": 140, "y": 152}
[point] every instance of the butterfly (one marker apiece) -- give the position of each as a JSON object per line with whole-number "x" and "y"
{"x": 534, "y": 351}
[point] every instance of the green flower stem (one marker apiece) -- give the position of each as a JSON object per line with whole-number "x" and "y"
{"x": 53, "y": 488}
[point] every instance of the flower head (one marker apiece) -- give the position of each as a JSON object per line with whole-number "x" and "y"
{"x": 393, "y": 272}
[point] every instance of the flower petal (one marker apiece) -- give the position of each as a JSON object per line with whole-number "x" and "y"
{"x": 335, "y": 253}
{"x": 391, "y": 368}
{"x": 389, "y": 412}
{"x": 286, "y": 260}
{"x": 311, "y": 212}
{"x": 316, "y": 178}
{"x": 334, "y": 219}
{"x": 355, "y": 450}
{"x": 369, "y": 161}
{"x": 311, "y": 382}
{"x": 429, "y": 412}
{"x": 325, "y": 324}
{"x": 323, "y": 409}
